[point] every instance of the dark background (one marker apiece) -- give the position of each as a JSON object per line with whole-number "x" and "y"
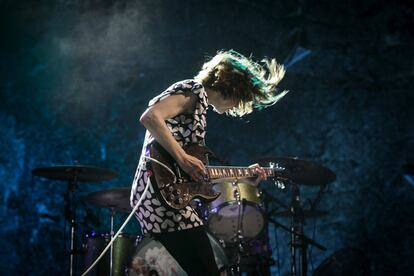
{"x": 76, "y": 75}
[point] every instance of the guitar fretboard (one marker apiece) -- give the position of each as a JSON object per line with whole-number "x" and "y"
{"x": 216, "y": 172}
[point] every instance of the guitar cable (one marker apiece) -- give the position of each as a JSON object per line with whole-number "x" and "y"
{"x": 147, "y": 158}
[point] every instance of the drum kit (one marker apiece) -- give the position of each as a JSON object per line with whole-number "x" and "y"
{"x": 237, "y": 222}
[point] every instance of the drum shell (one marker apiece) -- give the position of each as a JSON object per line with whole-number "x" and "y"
{"x": 123, "y": 249}
{"x": 93, "y": 245}
{"x": 236, "y": 199}
{"x": 228, "y": 194}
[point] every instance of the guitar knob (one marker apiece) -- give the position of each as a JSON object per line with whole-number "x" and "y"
{"x": 178, "y": 191}
{"x": 171, "y": 198}
{"x": 170, "y": 188}
{"x": 180, "y": 200}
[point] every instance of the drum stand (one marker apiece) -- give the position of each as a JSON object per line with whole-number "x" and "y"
{"x": 298, "y": 240}
{"x": 70, "y": 214}
{"x": 74, "y": 174}
{"x": 239, "y": 231}
{"x": 111, "y": 254}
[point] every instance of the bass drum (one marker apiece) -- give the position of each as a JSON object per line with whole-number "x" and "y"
{"x": 237, "y": 200}
{"x": 152, "y": 259}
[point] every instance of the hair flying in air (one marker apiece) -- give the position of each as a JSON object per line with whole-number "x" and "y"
{"x": 250, "y": 84}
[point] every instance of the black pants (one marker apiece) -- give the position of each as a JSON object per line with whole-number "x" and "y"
{"x": 191, "y": 249}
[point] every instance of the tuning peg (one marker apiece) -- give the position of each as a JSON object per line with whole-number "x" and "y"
{"x": 276, "y": 167}
{"x": 279, "y": 184}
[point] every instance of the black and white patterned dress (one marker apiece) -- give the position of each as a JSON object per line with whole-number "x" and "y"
{"x": 186, "y": 128}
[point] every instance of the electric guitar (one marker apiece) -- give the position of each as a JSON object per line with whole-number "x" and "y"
{"x": 177, "y": 190}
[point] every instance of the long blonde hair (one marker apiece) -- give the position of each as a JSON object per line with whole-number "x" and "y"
{"x": 237, "y": 77}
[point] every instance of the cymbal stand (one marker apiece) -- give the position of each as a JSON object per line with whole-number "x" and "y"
{"x": 111, "y": 254}
{"x": 239, "y": 231}
{"x": 315, "y": 202}
{"x": 296, "y": 240}
{"x": 304, "y": 239}
{"x": 70, "y": 213}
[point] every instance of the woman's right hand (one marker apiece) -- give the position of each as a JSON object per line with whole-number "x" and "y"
{"x": 193, "y": 166}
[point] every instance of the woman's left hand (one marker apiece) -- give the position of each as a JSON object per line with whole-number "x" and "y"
{"x": 260, "y": 172}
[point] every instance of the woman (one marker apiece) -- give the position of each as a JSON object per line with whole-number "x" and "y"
{"x": 230, "y": 83}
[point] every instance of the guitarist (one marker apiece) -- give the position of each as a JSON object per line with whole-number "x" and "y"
{"x": 230, "y": 83}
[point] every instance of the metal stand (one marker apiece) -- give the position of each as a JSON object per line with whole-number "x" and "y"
{"x": 111, "y": 255}
{"x": 299, "y": 242}
{"x": 73, "y": 174}
{"x": 238, "y": 236}
{"x": 304, "y": 242}
{"x": 297, "y": 227}
{"x": 70, "y": 214}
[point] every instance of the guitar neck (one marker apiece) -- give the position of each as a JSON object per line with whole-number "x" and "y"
{"x": 218, "y": 172}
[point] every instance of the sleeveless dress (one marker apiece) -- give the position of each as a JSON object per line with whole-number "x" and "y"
{"x": 186, "y": 128}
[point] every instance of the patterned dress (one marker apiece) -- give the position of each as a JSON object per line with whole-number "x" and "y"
{"x": 186, "y": 128}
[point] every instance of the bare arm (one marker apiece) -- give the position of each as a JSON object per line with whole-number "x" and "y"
{"x": 154, "y": 120}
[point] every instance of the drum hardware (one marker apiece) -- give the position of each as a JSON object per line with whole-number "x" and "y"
{"x": 90, "y": 215}
{"x": 123, "y": 249}
{"x": 80, "y": 173}
{"x": 73, "y": 174}
{"x": 273, "y": 200}
{"x": 255, "y": 258}
{"x": 237, "y": 218}
{"x": 305, "y": 238}
{"x": 115, "y": 199}
{"x": 299, "y": 242}
{"x": 224, "y": 215}
{"x": 111, "y": 251}
{"x": 297, "y": 172}
{"x": 306, "y": 213}
{"x": 239, "y": 231}
{"x": 92, "y": 245}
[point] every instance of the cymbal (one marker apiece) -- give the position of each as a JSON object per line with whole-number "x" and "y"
{"x": 300, "y": 171}
{"x": 117, "y": 198}
{"x": 79, "y": 173}
{"x": 306, "y": 213}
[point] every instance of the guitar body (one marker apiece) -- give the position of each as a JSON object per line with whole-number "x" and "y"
{"x": 176, "y": 191}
